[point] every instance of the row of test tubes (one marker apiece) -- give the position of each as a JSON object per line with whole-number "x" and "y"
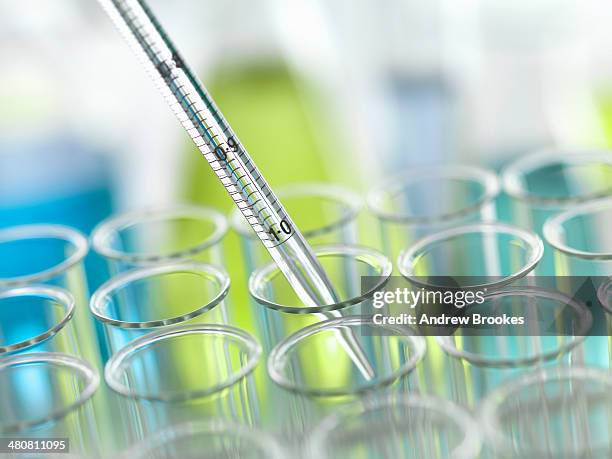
{"x": 166, "y": 360}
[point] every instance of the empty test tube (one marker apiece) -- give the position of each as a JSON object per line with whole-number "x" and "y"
{"x": 392, "y": 426}
{"x": 159, "y": 389}
{"x": 558, "y": 412}
{"x": 158, "y": 236}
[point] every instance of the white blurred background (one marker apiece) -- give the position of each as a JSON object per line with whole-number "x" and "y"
{"x": 355, "y": 90}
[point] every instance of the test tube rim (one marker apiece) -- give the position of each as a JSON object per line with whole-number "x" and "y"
{"x": 106, "y": 290}
{"x": 119, "y": 360}
{"x": 57, "y": 294}
{"x": 485, "y": 177}
{"x": 601, "y": 292}
{"x": 261, "y": 439}
{"x": 552, "y": 229}
{"x": 487, "y": 412}
{"x": 457, "y": 414}
{"x": 367, "y": 255}
{"x": 45, "y": 231}
{"x": 512, "y": 173}
{"x": 585, "y": 318}
{"x": 533, "y": 241}
{"x": 328, "y": 191}
{"x": 79, "y": 366}
{"x": 117, "y": 223}
{"x": 279, "y": 353}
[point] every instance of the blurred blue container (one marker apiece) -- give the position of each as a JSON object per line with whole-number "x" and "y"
{"x": 55, "y": 180}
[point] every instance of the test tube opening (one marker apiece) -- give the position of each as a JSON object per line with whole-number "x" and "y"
{"x": 515, "y": 346}
{"x": 160, "y": 295}
{"x": 484, "y": 255}
{"x": 552, "y": 178}
{"x": 57, "y": 248}
{"x": 31, "y": 315}
{"x": 558, "y": 412}
{"x": 214, "y": 440}
{"x": 34, "y": 389}
{"x": 150, "y": 367}
{"x": 310, "y": 361}
{"x": 398, "y": 426}
{"x": 577, "y": 232}
{"x": 344, "y": 264}
{"x": 434, "y": 195}
{"x": 159, "y": 235}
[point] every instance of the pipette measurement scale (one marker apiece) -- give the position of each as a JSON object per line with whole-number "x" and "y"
{"x": 229, "y": 160}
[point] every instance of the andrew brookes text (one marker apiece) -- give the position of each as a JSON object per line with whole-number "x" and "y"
{"x": 444, "y": 305}
{"x": 488, "y": 306}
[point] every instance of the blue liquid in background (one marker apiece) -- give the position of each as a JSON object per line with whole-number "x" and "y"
{"x": 421, "y": 117}
{"x": 55, "y": 180}
{"x": 420, "y": 113}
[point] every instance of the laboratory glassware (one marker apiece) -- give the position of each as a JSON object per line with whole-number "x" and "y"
{"x": 284, "y": 312}
{"x": 424, "y": 200}
{"x": 393, "y": 426}
{"x": 480, "y": 359}
{"x": 37, "y": 318}
{"x": 156, "y": 236}
{"x": 48, "y": 395}
{"x": 547, "y": 182}
{"x": 227, "y": 157}
{"x": 162, "y": 384}
{"x": 327, "y": 215}
{"x": 317, "y": 377}
{"x": 141, "y": 300}
{"x": 51, "y": 255}
{"x": 557, "y": 412}
{"x": 208, "y": 439}
{"x": 581, "y": 247}
{"x": 480, "y": 256}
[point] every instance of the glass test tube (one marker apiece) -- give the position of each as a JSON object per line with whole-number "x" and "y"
{"x": 486, "y": 256}
{"x": 208, "y": 440}
{"x": 158, "y": 236}
{"x": 481, "y": 359}
{"x": 326, "y": 214}
{"x": 390, "y": 427}
{"x": 161, "y": 388}
{"x": 318, "y": 376}
{"x": 283, "y": 313}
{"x": 427, "y": 199}
{"x": 581, "y": 240}
{"x": 490, "y": 254}
{"x": 139, "y": 301}
{"x": 547, "y": 182}
{"x": 48, "y": 395}
{"x": 558, "y": 412}
{"x": 53, "y": 255}
{"x": 59, "y": 254}
{"x": 582, "y": 246}
{"x": 37, "y": 318}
